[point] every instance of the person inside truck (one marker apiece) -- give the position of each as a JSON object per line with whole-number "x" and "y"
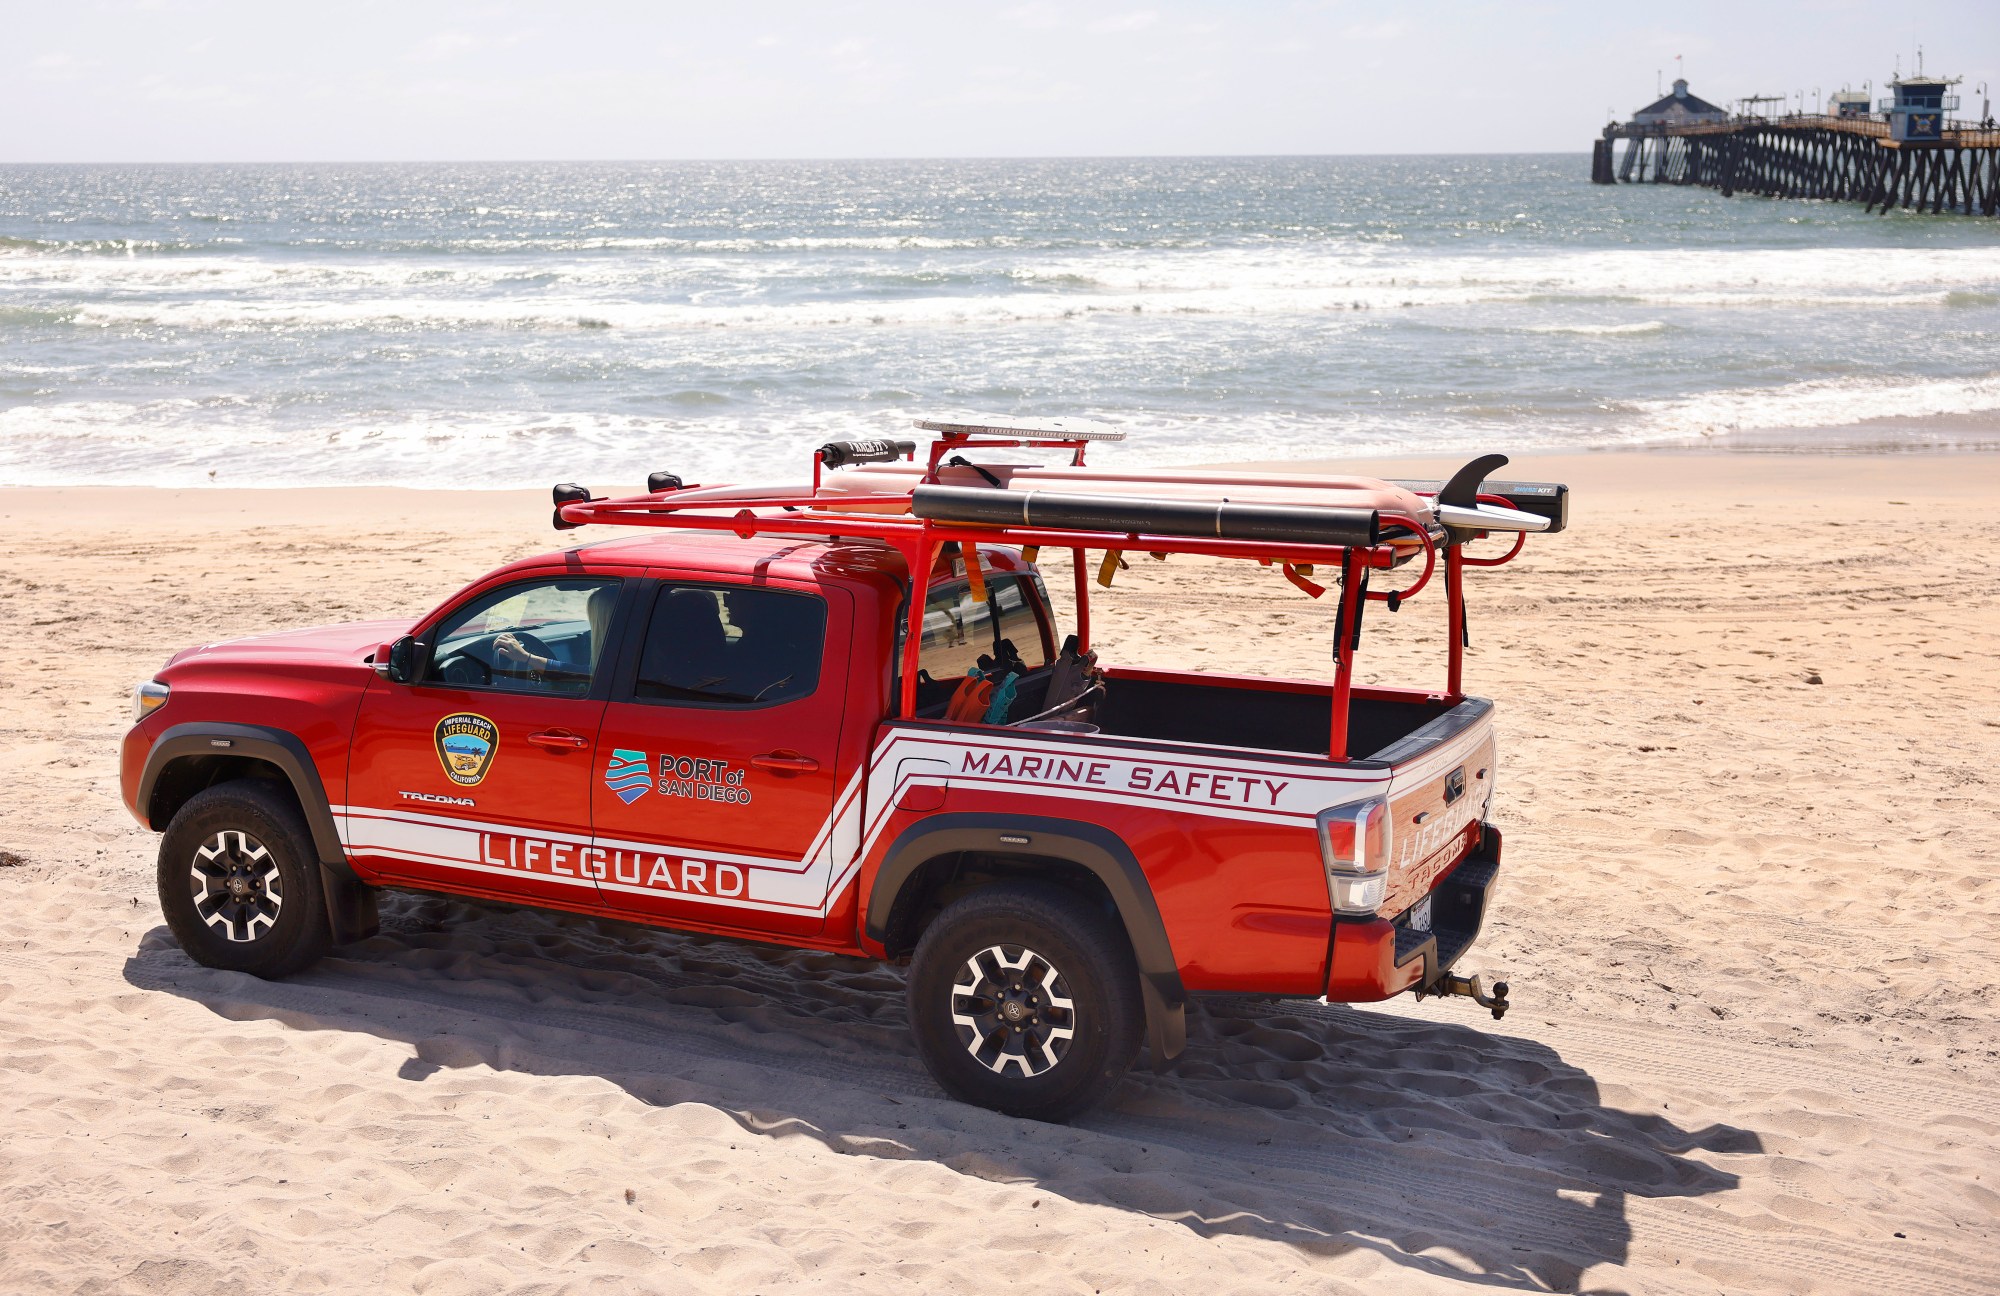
{"x": 516, "y": 658}
{"x": 774, "y": 655}
{"x": 687, "y": 648}
{"x": 740, "y": 647}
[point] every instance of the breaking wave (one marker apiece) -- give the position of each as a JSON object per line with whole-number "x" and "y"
{"x": 457, "y": 326}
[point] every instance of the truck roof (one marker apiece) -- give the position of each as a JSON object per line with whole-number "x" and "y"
{"x": 795, "y": 558}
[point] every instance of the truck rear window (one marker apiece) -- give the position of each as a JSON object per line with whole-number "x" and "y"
{"x": 958, "y": 630}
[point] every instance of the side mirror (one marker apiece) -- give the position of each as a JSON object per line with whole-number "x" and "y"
{"x": 396, "y": 662}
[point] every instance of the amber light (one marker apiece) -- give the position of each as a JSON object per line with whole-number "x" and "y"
{"x": 148, "y": 698}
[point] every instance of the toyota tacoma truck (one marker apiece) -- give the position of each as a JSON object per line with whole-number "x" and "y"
{"x": 843, "y": 716}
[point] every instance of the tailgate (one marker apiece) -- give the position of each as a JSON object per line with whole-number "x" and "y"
{"x": 1440, "y": 792}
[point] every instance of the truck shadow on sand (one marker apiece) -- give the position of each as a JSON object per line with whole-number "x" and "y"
{"x": 1457, "y": 1151}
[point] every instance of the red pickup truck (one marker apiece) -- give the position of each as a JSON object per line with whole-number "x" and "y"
{"x": 799, "y": 718}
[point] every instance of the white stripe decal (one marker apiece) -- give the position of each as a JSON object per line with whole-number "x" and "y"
{"x": 726, "y": 902}
{"x": 375, "y": 813}
{"x": 480, "y": 868}
{"x": 1284, "y": 793}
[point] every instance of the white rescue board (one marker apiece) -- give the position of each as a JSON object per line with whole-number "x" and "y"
{"x": 1160, "y": 483}
{"x": 886, "y": 488}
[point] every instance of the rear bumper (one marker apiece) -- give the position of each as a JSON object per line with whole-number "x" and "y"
{"x": 1375, "y": 958}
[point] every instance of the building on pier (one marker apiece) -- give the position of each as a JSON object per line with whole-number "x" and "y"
{"x": 1678, "y": 109}
{"x": 1917, "y": 106}
{"x": 1848, "y": 105}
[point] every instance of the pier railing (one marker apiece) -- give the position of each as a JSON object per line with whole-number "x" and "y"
{"x": 1967, "y": 134}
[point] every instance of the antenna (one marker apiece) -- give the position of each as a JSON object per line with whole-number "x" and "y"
{"x": 1658, "y": 88}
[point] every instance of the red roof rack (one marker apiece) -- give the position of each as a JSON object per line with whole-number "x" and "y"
{"x": 921, "y": 522}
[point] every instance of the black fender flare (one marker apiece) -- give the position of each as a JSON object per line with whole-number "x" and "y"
{"x": 350, "y": 904}
{"x": 1086, "y": 845}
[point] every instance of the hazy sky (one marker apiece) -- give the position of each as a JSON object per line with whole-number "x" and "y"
{"x": 308, "y": 80}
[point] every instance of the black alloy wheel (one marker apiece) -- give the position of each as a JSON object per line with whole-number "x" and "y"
{"x": 1013, "y": 1010}
{"x": 236, "y": 885}
{"x": 239, "y": 881}
{"x": 1024, "y": 998}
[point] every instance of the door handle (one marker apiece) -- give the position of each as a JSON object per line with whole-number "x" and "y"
{"x": 558, "y": 740}
{"x": 789, "y": 761}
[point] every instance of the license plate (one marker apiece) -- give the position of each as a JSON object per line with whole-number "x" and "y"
{"x": 1420, "y": 915}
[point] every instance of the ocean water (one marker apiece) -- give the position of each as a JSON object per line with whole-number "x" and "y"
{"x": 505, "y": 325}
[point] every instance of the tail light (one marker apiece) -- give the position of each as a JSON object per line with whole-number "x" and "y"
{"x": 1354, "y": 840}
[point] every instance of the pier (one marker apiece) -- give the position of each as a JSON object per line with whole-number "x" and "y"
{"x": 1908, "y": 156}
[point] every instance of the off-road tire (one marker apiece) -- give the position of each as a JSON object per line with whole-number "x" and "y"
{"x": 253, "y": 831}
{"x": 1075, "y": 946}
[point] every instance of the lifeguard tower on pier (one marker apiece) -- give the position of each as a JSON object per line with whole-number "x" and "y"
{"x": 1917, "y": 106}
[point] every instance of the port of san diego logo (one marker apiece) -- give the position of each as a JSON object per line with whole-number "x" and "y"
{"x": 628, "y": 774}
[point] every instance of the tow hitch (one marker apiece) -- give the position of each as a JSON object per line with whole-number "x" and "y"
{"x": 1453, "y": 984}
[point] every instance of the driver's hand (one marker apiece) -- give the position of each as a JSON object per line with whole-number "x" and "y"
{"x": 512, "y": 652}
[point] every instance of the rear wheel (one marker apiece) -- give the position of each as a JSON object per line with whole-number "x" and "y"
{"x": 239, "y": 881}
{"x": 1024, "y": 998}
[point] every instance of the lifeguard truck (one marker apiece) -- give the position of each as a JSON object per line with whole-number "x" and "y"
{"x": 841, "y": 715}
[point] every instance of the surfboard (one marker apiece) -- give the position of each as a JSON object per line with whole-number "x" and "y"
{"x": 885, "y": 489}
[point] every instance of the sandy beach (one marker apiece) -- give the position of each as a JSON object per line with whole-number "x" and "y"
{"x": 1750, "y": 781}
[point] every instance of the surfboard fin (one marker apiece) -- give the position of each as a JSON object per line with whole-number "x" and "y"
{"x": 1463, "y": 488}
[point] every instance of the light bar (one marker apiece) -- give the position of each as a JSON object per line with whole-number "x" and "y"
{"x": 1044, "y": 430}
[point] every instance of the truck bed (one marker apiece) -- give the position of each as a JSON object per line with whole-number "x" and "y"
{"x": 1266, "y": 714}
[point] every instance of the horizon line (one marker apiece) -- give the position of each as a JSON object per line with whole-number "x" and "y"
{"x": 678, "y": 161}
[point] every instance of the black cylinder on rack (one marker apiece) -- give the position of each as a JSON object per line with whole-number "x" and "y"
{"x": 839, "y": 454}
{"x": 1131, "y": 514}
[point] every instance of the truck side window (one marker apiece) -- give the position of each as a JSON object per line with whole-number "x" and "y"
{"x": 731, "y": 647}
{"x": 958, "y": 630}
{"x": 530, "y": 637}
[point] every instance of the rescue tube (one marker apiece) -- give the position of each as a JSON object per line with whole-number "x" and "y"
{"x": 1135, "y": 514}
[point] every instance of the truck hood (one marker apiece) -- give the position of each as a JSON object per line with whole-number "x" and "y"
{"x": 321, "y": 646}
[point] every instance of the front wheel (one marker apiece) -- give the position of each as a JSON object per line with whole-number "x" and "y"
{"x": 1024, "y": 999}
{"x": 239, "y": 882}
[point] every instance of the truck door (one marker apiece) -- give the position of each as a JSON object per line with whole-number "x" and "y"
{"x": 718, "y": 760}
{"x": 476, "y": 777}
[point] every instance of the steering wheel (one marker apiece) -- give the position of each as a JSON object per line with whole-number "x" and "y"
{"x": 463, "y": 668}
{"x": 530, "y": 642}
{"x": 527, "y": 641}
{"x": 476, "y": 663}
